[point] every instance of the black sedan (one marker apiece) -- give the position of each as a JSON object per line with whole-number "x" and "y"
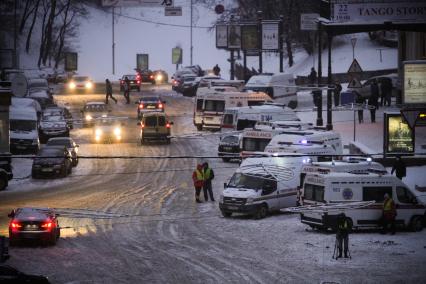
{"x": 229, "y": 147}
{"x": 33, "y": 224}
{"x": 134, "y": 81}
{"x": 52, "y": 161}
{"x": 9, "y": 275}
{"x": 146, "y": 76}
{"x": 67, "y": 142}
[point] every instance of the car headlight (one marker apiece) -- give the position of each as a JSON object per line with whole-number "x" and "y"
{"x": 35, "y": 141}
{"x": 221, "y": 198}
{"x": 89, "y": 85}
{"x": 249, "y": 200}
{"x": 88, "y": 117}
{"x": 117, "y": 131}
{"x": 71, "y": 85}
{"x": 98, "y": 132}
{"x": 159, "y": 77}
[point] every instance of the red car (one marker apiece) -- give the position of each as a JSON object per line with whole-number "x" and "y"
{"x": 33, "y": 224}
{"x": 135, "y": 82}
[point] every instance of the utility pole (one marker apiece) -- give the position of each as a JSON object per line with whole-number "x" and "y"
{"x": 15, "y": 35}
{"x": 191, "y": 47}
{"x": 280, "y": 44}
{"x": 113, "y": 41}
{"x": 259, "y": 35}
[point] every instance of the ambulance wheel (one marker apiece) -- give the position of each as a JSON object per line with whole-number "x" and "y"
{"x": 261, "y": 212}
{"x": 226, "y": 214}
{"x": 416, "y": 224}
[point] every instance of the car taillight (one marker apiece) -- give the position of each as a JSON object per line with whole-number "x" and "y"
{"x": 151, "y": 76}
{"x": 138, "y": 77}
{"x": 138, "y": 81}
{"x": 168, "y": 125}
{"x": 142, "y": 125}
{"x": 121, "y": 82}
{"x": 47, "y": 225}
{"x": 160, "y": 105}
{"x": 141, "y": 106}
{"x": 15, "y": 225}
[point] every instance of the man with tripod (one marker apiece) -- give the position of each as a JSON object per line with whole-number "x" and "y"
{"x": 342, "y": 235}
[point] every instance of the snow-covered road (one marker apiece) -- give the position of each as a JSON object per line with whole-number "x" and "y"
{"x": 137, "y": 221}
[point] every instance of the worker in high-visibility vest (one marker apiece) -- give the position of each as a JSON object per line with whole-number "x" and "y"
{"x": 389, "y": 214}
{"x": 198, "y": 179}
{"x": 208, "y": 177}
{"x": 342, "y": 234}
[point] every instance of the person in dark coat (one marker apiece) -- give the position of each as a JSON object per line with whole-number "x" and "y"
{"x": 373, "y": 101}
{"x": 386, "y": 89}
{"x": 360, "y": 100}
{"x": 216, "y": 70}
{"x": 336, "y": 93}
{"x": 108, "y": 89}
{"x": 312, "y": 76}
{"x": 399, "y": 168}
{"x": 127, "y": 89}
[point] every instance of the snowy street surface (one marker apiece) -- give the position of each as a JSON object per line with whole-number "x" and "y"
{"x": 135, "y": 220}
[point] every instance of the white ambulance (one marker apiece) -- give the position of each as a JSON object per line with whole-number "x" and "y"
{"x": 322, "y": 142}
{"x": 338, "y": 188}
{"x": 239, "y": 118}
{"x": 209, "y": 107}
{"x": 261, "y": 185}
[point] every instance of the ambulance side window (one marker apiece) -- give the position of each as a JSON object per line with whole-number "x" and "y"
{"x": 376, "y": 193}
{"x": 404, "y": 195}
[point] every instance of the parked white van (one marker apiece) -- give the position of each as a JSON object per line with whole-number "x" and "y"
{"x": 334, "y": 188}
{"x": 261, "y": 185}
{"x": 239, "y": 118}
{"x": 278, "y": 85}
{"x": 23, "y": 130}
{"x": 212, "y": 85}
{"x": 209, "y": 108}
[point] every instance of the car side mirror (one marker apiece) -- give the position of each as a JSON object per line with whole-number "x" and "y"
{"x": 171, "y": 123}
{"x": 224, "y": 185}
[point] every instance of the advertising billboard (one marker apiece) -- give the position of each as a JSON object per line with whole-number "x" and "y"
{"x": 414, "y": 85}
{"x": 71, "y": 60}
{"x": 249, "y": 37}
{"x": 176, "y": 55}
{"x": 142, "y": 61}
{"x": 221, "y": 36}
{"x": 399, "y": 138}
{"x": 270, "y": 35}
{"x": 234, "y": 36}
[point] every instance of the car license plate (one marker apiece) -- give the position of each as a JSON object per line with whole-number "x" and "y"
{"x": 47, "y": 170}
{"x": 150, "y": 107}
{"x": 227, "y": 148}
{"x": 31, "y": 227}
{"x": 20, "y": 147}
{"x": 232, "y": 207}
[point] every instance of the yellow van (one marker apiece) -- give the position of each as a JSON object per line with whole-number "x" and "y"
{"x": 155, "y": 126}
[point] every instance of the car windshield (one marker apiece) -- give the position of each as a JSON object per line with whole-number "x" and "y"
{"x": 151, "y": 121}
{"x": 149, "y": 99}
{"x": 50, "y": 152}
{"x": 230, "y": 139}
{"x": 59, "y": 142}
{"x": 130, "y": 77}
{"x": 22, "y": 125}
{"x": 213, "y": 105}
{"x": 53, "y": 118}
{"x": 95, "y": 107}
{"x": 81, "y": 78}
{"x": 256, "y": 182}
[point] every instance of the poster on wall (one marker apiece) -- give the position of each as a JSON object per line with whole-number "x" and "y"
{"x": 399, "y": 138}
{"x": 71, "y": 61}
{"x": 414, "y": 86}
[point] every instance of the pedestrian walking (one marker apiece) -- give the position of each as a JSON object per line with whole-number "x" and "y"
{"x": 386, "y": 89}
{"x": 198, "y": 179}
{"x": 373, "y": 100}
{"x": 336, "y": 93}
{"x": 216, "y": 70}
{"x": 389, "y": 214}
{"x": 126, "y": 88}
{"x": 208, "y": 175}
{"x": 360, "y": 101}
{"x": 399, "y": 168}
{"x": 312, "y": 76}
{"x": 108, "y": 90}
{"x": 342, "y": 235}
